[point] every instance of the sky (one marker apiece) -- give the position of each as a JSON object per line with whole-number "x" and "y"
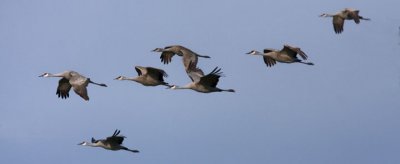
{"x": 344, "y": 109}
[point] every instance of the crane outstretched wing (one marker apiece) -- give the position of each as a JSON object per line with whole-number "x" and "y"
{"x": 63, "y": 88}
{"x": 79, "y": 84}
{"x": 115, "y": 138}
{"x": 212, "y": 78}
{"x": 293, "y": 51}
{"x": 194, "y": 73}
{"x": 338, "y": 23}
{"x": 166, "y": 57}
{"x": 156, "y": 73}
{"x": 269, "y": 61}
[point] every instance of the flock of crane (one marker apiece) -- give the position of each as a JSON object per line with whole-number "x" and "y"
{"x": 150, "y": 76}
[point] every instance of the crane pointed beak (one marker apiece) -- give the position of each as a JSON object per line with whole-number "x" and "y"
{"x": 44, "y": 75}
{"x": 158, "y": 50}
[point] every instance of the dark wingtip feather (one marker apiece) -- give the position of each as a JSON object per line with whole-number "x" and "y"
{"x": 117, "y": 132}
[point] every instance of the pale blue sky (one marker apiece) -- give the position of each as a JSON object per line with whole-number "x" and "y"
{"x": 345, "y": 109}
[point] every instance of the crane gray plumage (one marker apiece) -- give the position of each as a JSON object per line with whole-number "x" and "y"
{"x": 188, "y": 56}
{"x": 203, "y": 83}
{"x": 148, "y": 76}
{"x": 288, "y": 54}
{"x": 341, "y": 16}
{"x": 113, "y": 142}
{"x": 72, "y": 79}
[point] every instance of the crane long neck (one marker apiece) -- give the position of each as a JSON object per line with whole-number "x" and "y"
{"x": 329, "y": 15}
{"x": 131, "y": 78}
{"x": 183, "y": 87}
{"x": 127, "y": 78}
{"x": 92, "y": 144}
{"x": 55, "y": 75}
{"x": 258, "y": 53}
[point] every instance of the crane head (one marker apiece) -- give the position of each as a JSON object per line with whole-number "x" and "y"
{"x": 173, "y": 87}
{"x": 120, "y": 78}
{"x": 158, "y": 50}
{"x": 45, "y": 75}
{"x": 323, "y": 15}
{"x": 252, "y": 52}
